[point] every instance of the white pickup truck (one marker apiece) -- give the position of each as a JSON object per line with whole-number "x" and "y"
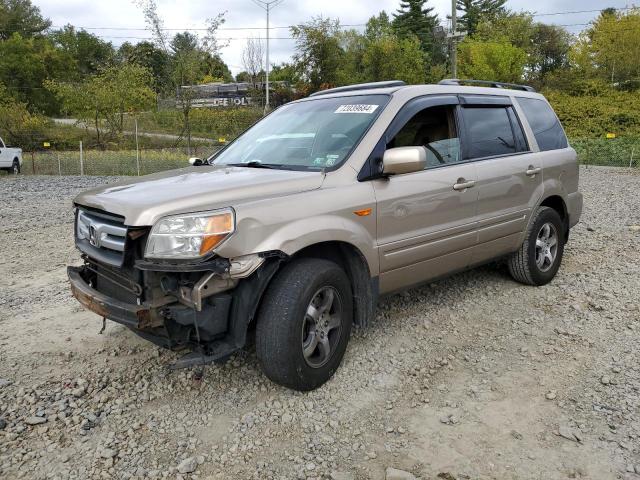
{"x": 10, "y": 158}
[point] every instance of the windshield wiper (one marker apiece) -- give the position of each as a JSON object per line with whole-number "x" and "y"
{"x": 255, "y": 164}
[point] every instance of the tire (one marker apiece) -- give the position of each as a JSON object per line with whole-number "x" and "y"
{"x": 15, "y": 168}
{"x": 298, "y": 346}
{"x": 537, "y": 263}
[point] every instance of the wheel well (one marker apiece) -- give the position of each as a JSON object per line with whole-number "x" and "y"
{"x": 365, "y": 290}
{"x": 557, "y": 203}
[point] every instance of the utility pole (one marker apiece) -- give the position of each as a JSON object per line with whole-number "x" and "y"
{"x": 454, "y": 41}
{"x": 267, "y": 5}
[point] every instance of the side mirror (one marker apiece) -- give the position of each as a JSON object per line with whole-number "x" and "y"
{"x": 401, "y": 160}
{"x": 195, "y": 161}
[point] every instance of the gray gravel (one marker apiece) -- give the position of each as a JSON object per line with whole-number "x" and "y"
{"x": 470, "y": 377}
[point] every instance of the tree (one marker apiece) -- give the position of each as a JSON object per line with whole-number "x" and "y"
{"x": 610, "y": 48}
{"x": 476, "y": 11}
{"x": 87, "y": 51}
{"x": 378, "y": 26}
{"x": 25, "y": 63}
{"x": 148, "y": 55}
{"x": 253, "y": 59}
{"x": 497, "y": 61}
{"x": 547, "y": 46}
{"x": 551, "y": 47}
{"x": 107, "y": 97}
{"x": 284, "y": 72}
{"x": 193, "y": 60}
{"x": 22, "y": 17}
{"x": 389, "y": 57}
{"x": 414, "y": 18}
{"x": 318, "y": 53}
{"x": 18, "y": 126}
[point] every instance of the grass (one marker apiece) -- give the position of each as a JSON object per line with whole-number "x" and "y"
{"x": 617, "y": 152}
{"x": 592, "y": 151}
{"x": 101, "y": 162}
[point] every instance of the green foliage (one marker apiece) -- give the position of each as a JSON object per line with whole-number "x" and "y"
{"x": 107, "y": 96}
{"x": 17, "y": 125}
{"x": 25, "y": 63}
{"x": 318, "y": 54}
{"x": 546, "y": 46}
{"x": 618, "y": 152}
{"x": 388, "y": 57}
{"x": 476, "y": 11}
{"x": 88, "y": 52}
{"x": 21, "y": 17}
{"x": 593, "y": 108}
{"x": 328, "y": 57}
{"x": 206, "y": 123}
{"x": 493, "y": 60}
{"x": 610, "y": 48}
{"x": 285, "y": 72}
{"x": 415, "y": 19}
{"x": 378, "y": 26}
{"x": 148, "y": 55}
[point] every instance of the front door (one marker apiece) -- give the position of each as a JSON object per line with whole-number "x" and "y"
{"x": 426, "y": 219}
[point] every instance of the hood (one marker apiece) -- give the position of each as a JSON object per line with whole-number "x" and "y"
{"x": 143, "y": 200}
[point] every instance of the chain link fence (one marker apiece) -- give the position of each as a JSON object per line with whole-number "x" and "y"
{"x": 107, "y": 162}
{"x": 618, "y": 152}
{"x": 614, "y": 152}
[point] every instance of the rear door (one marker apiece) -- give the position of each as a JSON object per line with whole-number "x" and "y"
{"x": 509, "y": 175}
{"x": 426, "y": 219}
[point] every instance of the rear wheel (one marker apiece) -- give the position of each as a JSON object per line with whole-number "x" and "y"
{"x": 539, "y": 257}
{"x": 304, "y": 324}
{"x": 15, "y": 168}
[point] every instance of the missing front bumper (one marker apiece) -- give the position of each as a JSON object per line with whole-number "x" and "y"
{"x": 131, "y": 315}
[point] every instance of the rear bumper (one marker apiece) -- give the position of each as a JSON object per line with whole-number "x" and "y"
{"x": 131, "y": 315}
{"x": 575, "y": 208}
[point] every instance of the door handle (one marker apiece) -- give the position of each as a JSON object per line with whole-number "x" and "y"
{"x": 531, "y": 171}
{"x": 463, "y": 184}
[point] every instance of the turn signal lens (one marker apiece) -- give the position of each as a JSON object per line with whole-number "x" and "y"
{"x": 217, "y": 229}
{"x": 363, "y": 213}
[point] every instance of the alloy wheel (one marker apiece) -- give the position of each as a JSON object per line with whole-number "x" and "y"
{"x": 322, "y": 327}
{"x": 546, "y": 247}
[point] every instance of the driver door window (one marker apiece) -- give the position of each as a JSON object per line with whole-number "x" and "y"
{"x": 435, "y": 129}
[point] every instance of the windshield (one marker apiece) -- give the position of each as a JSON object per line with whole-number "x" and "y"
{"x": 314, "y": 134}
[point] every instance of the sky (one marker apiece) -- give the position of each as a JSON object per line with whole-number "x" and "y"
{"x": 119, "y": 21}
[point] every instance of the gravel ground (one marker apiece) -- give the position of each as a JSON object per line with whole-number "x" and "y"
{"x": 473, "y": 377}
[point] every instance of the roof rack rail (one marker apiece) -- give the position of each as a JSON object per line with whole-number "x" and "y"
{"x": 488, "y": 83}
{"x": 360, "y": 86}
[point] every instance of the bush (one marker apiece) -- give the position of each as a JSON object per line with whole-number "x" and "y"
{"x": 595, "y": 111}
{"x": 207, "y": 123}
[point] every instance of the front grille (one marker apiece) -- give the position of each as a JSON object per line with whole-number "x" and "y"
{"x": 101, "y": 236}
{"x": 119, "y": 283}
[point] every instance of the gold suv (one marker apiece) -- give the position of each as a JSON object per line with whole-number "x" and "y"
{"x": 298, "y": 226}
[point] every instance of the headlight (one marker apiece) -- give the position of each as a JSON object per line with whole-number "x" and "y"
{"x": 190, "y": 236}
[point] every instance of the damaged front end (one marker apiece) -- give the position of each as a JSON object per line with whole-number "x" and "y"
{"x": 205, "y": 307}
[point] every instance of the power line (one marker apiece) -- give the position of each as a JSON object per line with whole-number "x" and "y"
{"x": 348, "y": 25}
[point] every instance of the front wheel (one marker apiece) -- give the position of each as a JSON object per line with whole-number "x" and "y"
{"x": 538, "y": 259}
{"x": 304, "y": 324}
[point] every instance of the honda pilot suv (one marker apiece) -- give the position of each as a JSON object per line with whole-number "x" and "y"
{"x": 294, "y": 230}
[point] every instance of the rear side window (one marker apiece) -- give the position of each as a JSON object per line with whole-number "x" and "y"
{"x": 490, "y": 132}
{"x": 544, "y": 123}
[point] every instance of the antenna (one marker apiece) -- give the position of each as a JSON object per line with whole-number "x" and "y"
{"x": 267, "y": 6}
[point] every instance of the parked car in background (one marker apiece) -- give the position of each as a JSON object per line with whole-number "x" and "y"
{"x": 10, "y": 158}
{"x": 295, "y": 228}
